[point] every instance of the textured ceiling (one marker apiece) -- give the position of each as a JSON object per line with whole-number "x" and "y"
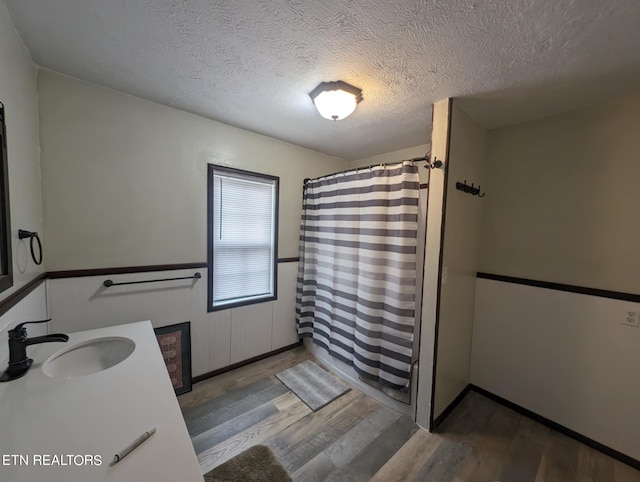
{"x": 251, "y": 63}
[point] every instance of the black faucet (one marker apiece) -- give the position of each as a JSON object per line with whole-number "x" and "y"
{"x": 19, "y": 364}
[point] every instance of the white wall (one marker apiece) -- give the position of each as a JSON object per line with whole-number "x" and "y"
{"x": 124, "y": 184}
{"x": 563, "y": 199}
{"x": 562, "y": 206}
{"x": 18, "y": 93}
{"x": 463, "y": 221}
{"x": 562, "y": 355}
{"x": 124, "y": 179}
{"x": 218, "y": 339}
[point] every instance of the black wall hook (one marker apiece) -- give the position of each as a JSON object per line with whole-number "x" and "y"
{"x": 474, "y": 191}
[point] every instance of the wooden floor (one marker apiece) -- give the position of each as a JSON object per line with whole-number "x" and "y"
{"x": 355, "y": 438}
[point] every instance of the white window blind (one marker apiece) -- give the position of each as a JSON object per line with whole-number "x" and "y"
{"x": 243, "y": 232}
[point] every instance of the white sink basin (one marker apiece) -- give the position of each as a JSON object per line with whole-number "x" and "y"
{"x": 88, "y": 357}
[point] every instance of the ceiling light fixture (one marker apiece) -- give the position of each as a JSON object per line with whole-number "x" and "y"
{"x": 336, "y": 100}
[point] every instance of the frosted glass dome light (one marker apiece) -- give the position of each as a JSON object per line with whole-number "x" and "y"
{"x": 336, "y": 100}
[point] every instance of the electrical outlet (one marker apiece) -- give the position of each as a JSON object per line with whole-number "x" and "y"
{"x": 631, "y": 318}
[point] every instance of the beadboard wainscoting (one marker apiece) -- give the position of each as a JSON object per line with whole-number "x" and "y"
{"x": 32, "y": 307}
{"x": 218, "y": 339}
{"x": 565, "y": 356}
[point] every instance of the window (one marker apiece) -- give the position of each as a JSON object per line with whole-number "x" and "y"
{"x": 242, "y": 237}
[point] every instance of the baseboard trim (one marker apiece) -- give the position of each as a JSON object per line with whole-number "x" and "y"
{"x": 220, "y": 371}
{"x": 445, "y": 413}
{"x": 557, "y": 427}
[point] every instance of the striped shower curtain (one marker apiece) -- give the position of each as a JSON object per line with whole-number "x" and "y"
{"x": 357, "y": 273}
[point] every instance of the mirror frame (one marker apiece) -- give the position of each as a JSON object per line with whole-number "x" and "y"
{"x": 6, "y": 260}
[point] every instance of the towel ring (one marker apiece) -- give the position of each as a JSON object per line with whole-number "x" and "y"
{"x": 22, "y": 234}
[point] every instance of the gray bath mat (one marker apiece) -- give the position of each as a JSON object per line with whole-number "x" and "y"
{"x": 313, "y": 385}
{"x": 256, "y": 464}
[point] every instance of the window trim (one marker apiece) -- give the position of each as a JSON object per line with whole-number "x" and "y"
{"x": 211, "y": 169}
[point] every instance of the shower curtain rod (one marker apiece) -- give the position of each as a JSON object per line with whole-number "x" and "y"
{"x": 430, "y": 165}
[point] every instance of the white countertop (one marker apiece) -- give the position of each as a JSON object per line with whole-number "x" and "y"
{"x": 98, "y": 414}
